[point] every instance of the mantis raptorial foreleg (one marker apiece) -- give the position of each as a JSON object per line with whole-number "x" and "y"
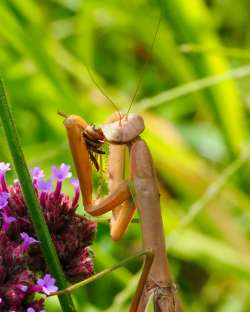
{"x": 121, "y": 215}
{"x": 140, "y": 191}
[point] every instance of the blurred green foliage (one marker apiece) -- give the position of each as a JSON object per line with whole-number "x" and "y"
{"x": 193, "y": 135}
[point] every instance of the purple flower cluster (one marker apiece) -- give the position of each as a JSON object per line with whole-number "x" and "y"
{"x": 21, "y": 260}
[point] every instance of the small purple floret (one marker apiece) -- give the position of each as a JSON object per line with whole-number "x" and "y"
{"x": 27, "y": 241}
{"x": 75, "y": 182}
{"x": 7, "y": 220}
{"x": 44, "y": 186}
{"x": 4, "y": 167}
{"x": 61, "y": 173}
{"x": 4, "y": 196}
{"x": 47, "y": 284}
{"x": 37, "y": 173}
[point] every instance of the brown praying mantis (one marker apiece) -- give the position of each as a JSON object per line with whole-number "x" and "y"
{"x": 139, "y": 191}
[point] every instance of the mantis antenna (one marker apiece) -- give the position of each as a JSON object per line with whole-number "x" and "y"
{"x": 62, "y": 114}
{"x": 102, "y": 91}
{"x": 139, "y": 83}
{"x": 139, "y": 80}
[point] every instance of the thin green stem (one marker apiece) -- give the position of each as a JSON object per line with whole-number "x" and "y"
{"x": 149, "y": 259}
{"x": 32, "y": 203}
{"x": 191, "y": 87}
{"x": 227, "y": 51}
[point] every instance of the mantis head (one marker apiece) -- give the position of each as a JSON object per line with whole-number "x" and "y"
{"x": 123, "y": 130}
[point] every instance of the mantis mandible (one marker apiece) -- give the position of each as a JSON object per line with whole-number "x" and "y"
{"x": 139, "y": 191}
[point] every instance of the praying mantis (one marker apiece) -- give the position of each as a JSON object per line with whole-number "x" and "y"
{"x": 139, "y": 191}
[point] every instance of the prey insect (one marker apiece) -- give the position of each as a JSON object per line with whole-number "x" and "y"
{"x": 139, "y": 191}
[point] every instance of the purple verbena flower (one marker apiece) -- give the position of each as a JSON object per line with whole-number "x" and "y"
{"x": 4, "y": 196}
{"x": 7, "y": 220}
{"x": 36, "y": 173}
{"x": 71, "y": 236}
{"x": 27, "y": 241}
{"x": 4, "y": 167}
{"x": 75, "y": 182}
{"x": 61, "y": 173}
{"x": 47, "y": 284}
{"x": 44, "y": 186}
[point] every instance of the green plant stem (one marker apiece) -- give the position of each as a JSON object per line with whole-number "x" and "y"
{"x": 149, "y": 259}
{"x": 191, "y": 87}
{"x": 32, "y": 203}
{"x": 227, "y": 51}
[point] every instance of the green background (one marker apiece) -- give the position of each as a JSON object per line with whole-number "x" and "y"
{"x": 196, "y": 118}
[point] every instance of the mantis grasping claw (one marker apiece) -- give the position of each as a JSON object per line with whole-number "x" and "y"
{"x": 140, "y": 192}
